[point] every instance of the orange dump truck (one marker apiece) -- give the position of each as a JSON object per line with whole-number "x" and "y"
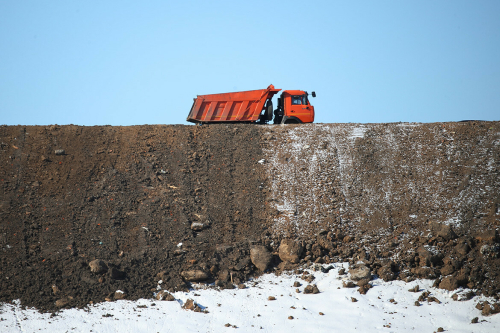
{"x": 253, "y": 106}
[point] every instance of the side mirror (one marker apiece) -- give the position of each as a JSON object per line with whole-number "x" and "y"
{"x": 313, "y": 94}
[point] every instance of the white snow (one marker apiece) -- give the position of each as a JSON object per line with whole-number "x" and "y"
{"x": 250, "y": 310}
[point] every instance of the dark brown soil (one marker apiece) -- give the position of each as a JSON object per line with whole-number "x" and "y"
{"x": 130, "y": 195}
{"x": 127, "y": 196}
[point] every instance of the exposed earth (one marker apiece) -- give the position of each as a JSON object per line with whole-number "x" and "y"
{"x": 87, "y": 211}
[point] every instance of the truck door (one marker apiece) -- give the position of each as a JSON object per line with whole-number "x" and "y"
{"x": 300, "y": 108}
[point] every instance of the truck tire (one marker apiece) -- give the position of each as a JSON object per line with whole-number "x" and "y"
{"x": 268, "y": 115}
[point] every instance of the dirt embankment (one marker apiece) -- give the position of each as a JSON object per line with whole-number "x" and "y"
{"x": 184, "y": 203}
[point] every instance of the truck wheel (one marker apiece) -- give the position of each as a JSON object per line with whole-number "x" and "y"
{"x": 269, "y": 111}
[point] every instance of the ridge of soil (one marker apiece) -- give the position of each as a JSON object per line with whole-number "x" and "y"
{"x": 155, "y": 202}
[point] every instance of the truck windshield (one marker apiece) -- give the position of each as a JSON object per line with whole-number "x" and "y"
{"x": 298, "y": 100}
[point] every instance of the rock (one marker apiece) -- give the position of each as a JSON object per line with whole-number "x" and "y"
{"x": 55, "y": 289}
{"x": 244, "y": 262}
{"x": 423, "y": 296}
{"x": 462, "y": 248}
{"x": 290, "y": 251}
{"x": 297, "y": 284}
{"x": 325, "y": 243}
{"x": 360, "y": 273}
{"x": 428, "y": 258}
{"x": 260, "y": 257}
{"x": 417, "y": 303}
{"x": 386, "y": 273}
{"x": 321, "y": 314}
{"x": 415, "y": 289}
{"x": 353, "y": 299}
{"x": 194, "y": 275}
{"x": 163, "y": 275}
{"x": 489, "y": 309}
{"x": 364, "y": 288}
{"x": 444, "y": 231}
{"x": 433, "y": 299}
{"x": 474, "y": 320}
{"x": 241, "y": 286}
{"x": 424, "y": 272}
{"x": 449, "y": 283}
{"x": 98, "y": 266}
{"x": 342, "y": 271}
{"x": 63, "y": 301}
{"x": 440, "y": 329}
{"x": 311, "y": 289}
{"x": 363, "y": 282}
{"x": 271, "y": 298}
{"x": 348, "y": 284}
{"x": 164, "y": 295}
{"x": 189, "y": 305}
{"x": 447, "y": 270}
{"x": 120, "y": 294}
{"x": 348, "y": 239}
{"x": 490, "y": 250}
{"x": 309, "y": 278}
{"x": 319, "y": 261}
{"x": 286, "y": 266}
{"x": 316, "y": 250}
{"x": 60, "y": 152}
{"x": 463, "y": 296}
{"x": 197, "y": 226}
{"x": 290, "y": 317}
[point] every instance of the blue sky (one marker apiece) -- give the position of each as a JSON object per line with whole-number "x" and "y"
{"x": 143, "y": 62}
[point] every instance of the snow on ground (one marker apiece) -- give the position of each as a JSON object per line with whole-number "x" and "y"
{"x": 249, "y": 310}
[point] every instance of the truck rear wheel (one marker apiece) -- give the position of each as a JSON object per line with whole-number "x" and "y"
{"x": 268, "y": 114}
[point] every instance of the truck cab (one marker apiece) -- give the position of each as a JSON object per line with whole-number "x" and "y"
{"x": 294, "y": 108}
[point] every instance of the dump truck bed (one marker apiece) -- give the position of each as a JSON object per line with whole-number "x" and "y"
{"x": 242, "y": 106}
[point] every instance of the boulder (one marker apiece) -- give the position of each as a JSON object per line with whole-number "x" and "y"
{"x": 197, "y": 226}
{"x": 194, "y": 275}
{"x": 462, "y": 248}
{"x": 189, "y": 305}
{"x": 490, "y": 250}
{"x": 63, "y": 301}
{"x": 360, "y": 273}
{"x": 386, "y": 273}
{"x": 120, "y": 294}
{"x": 452, "y": 282}
{"x": 98, "y": 266}
{"x": 311, "y": 289}
{"x": 444, "y": 231}
{"x": 165, "y": 296}
{"x": 290, "y": 251}
{"x": 260, "y": 257}
{"x": 424, "y": 272}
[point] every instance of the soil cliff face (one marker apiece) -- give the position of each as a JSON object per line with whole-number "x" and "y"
{"x": 178, "y": 204}
{"x": 387, "y": 176}
{"x": 129, "y": 196}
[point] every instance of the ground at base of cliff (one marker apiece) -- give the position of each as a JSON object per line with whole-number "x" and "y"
{"x": 276, "y": 303}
